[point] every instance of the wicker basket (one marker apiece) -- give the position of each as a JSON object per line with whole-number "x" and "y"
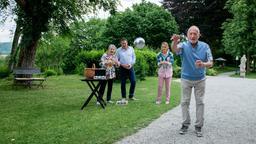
{"x": 90, "y": 72}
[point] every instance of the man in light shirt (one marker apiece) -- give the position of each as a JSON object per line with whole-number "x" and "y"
{"x": 196, "y": 56}
{"x": 126, "y": 57}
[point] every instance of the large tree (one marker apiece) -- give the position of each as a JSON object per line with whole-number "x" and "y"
{"x": 207, "y": 14}
{"x": 239, "y": 35}
{"x": 36, "y": 15}
{"x": 146, "y": 20}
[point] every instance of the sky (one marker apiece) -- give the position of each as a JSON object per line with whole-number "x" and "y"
{"x": 9, "y": 25}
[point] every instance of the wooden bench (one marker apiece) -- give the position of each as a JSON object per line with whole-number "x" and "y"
{"x": 25, "y": 77}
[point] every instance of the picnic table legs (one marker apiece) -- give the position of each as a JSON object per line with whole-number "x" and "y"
{"x": 100, "y": 95}
{"x": 95, "y": 93}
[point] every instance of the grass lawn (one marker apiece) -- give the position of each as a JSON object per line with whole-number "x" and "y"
{"x": 224, "y": 69}
{"x": 251, "y": 75}
{"x": 53, "y": 115}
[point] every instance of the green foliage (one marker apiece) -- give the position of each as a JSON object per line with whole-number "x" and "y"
{"x": 88, "y": 36}
{"x": 4, "y": 71}
{"x": 211, "y": 72}
{"x": 69, "y": 60}
{"x": 80, "y": 69}
{"x": 50, "y": 53}
{"x": 88, "y": 58}
{"x": 141, "y": 67}
{"x": 145, "y": 20}
{"x": 85, "y": 37}
{"x": 208, "y": 15}
{"x": 4, "y": 4}
{"x": 240, "y": 31}
{"x": 2, "y": 61}
{"x": 149, "y": 57}
{"x": 34, "y": 17}
{"x": 250, "y": 75}
{"x": 176, "y": 71}
{"x": 224, "y": 69}
{"x": 50, "y": 72}
{"x": 177, "y": 66}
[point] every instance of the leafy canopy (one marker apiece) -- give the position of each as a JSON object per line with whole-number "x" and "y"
{"x": 208, "y": 15}
{"x": 146, "y": 20}
{"x": 88, "y": 35}
{"x": 239, "y": 35}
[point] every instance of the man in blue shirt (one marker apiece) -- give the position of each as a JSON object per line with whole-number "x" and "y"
{"x": 126, "y": 57}
{"x": 196, "y": 56}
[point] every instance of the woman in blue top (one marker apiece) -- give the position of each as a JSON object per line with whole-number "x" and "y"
{"x": 164, "y": 62}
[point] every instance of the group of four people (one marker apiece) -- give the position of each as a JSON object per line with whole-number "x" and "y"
{"x": 195, "y": 57}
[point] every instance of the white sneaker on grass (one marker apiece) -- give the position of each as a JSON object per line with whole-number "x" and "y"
{"x": 123, "y": 101}
{"x": 111, "y": 102}
{"x": 133, "y": 99}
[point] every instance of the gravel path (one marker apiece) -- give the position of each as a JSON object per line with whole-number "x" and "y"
{"x": 230, "y": 117}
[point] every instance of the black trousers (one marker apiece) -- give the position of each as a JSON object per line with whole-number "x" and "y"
{"x": 109, "y": 91}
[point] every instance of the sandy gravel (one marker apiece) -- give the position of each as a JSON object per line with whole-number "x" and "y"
{"x": 230, "y": 117}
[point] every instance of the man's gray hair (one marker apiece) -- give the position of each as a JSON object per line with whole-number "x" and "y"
{"x": 195, "y": 28}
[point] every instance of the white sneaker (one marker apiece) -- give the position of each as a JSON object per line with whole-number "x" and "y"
{"x": 158, "y": 102}
{"x": 167, "y": 102}
{"x": 97, "y": 103}
{"x": 111, "y": 102}
{"x": 123, "y": 100}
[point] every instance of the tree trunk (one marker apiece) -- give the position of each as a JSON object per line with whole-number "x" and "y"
{"x": 27, "y": 55}
{"x": 14, "y": 51}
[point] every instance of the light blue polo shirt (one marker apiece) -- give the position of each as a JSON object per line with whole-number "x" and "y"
{"x": 189, "y": 55}
{"x": 126, "y": 56}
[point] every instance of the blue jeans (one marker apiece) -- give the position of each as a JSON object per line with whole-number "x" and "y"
{"x": 124, "y": 74}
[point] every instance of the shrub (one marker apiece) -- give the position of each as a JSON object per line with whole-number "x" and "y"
{"x": 150, "y": 58}
{"x": 50, "y": 72}
{"x": 50, "y": 52}
{"x": 141, "y": 66}
{"x": 211, "y": 72}
{"x": 176, "y": 71}
{"x": 80, "y": 69}
{"x": 87, "y": 58}
{"x": 69, "y": 60}
{"x": 4, "y": 72}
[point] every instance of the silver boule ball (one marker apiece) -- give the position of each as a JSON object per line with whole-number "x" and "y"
{"x": 139, "y": 42}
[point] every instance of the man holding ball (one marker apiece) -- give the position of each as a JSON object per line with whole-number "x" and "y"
{"x": 196, "y": 56}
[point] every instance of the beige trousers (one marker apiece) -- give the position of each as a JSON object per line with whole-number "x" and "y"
{"x": 199, "y": 91}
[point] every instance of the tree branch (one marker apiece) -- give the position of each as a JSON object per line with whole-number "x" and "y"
{"x": 21, "y": 3}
